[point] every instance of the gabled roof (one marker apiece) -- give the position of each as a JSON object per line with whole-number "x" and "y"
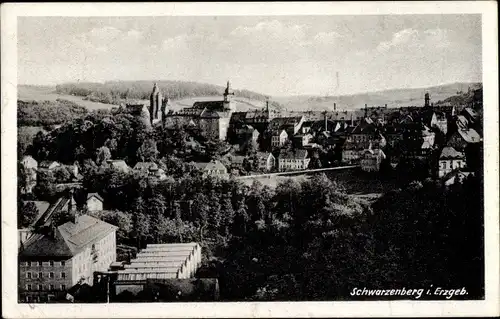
{"x": 96, "y": 195}
{"x": 210, "y": 105}
{"x": 119, "y": 164}
{"x": 47, "y": 164}
{"x": 365, "y": 127}
{"x": 144, "y": 166}
{"x": 264, "y": 155}
{"x": 298, "y": 154}
{"x": 68, "y": 239}
{"x": 470, "y": 135}
{"x": 450, "y": 153}
{"x": 213, "y": 165}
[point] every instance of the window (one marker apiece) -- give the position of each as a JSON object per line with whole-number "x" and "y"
{"x": 51, "y": 275}
{"x": 51, "y": 263}
{"x": 35, "y": 275}
{"x": 40, "y": 275}
{"x": 40, "y": 287}
{"x": 28, "y": 298}
{"x": 63, "y": 287}
{"x": 63, "y": 263}
{"x": 51, "y": 287}
{"x": 28, "y": 287}
{"x": 40, "y": 263}
{"x": 28, "y": 275}
{"x": 28, "y": 263}
{"x": 63, "y": 275}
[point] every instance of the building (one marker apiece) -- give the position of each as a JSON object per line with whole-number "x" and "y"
{"x": 145, "y": 166}
{"x": 53, "y": 261}
{"x": 119, "y": 165}
{"x": 279, "y": 138}
{"x": 49, "y": 165}
{"x": 463, "y": 137}
{"x": 301, "y": 140}
{"x": 158, "y": 262}
{"x": 157, "y": 105}
{"x": 25, "y": 233}
{"x": 450, "y": 160}
{"x": 455, "y": 177}
{"x": 30, "y": 166}
{"x": 290, "y": 124}
{"x": 211, "y": 117}
{"x": 214, "y": 168}
{"x": 94, "y": 202}
{"x": 372, "y": 159}
{"x": 267, "y": 162}
{"x": 290, "y": 161}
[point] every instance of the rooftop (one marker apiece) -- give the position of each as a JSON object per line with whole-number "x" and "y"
{"x": 450, "y": 153}
{"x": 68, "y": 239}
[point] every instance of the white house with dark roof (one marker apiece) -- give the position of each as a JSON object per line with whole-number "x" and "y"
{"x": 94, "y": 202}
{"x": 119, "y": 165}
{"x": 48, "y": 165}
{"x": 291, "y": 161}
{"x": 213, "y": 168}
{"x": 450, "y": 160}
{"x": 53, "y": 261}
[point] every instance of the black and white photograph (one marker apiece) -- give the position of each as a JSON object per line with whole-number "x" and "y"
{"x": 262, "y": 158}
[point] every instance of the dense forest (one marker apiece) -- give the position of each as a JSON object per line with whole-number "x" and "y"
{"x": 115, "y": 92}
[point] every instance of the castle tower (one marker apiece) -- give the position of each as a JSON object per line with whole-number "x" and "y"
{"x": 228, "y": 92}
{"x": 155, "y": 105}
{"x": 427, "y": 100}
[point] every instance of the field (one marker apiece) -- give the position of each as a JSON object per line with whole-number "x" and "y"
{"x": 32, "y": 93}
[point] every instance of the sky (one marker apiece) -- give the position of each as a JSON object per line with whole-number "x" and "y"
{"x": 273, "y": 55}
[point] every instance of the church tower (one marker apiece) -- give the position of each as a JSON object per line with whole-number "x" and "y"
{"x": 427, "y": 100}
{"x": 228, "y": 92}
{"x": 155, "y": 106}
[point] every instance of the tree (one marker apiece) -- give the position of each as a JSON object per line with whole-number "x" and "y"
{"x": 62, "y": 174}
{"x": 103, "y": 154}
{"x": 148, "y": 151}
{"x": 227, "y": 212}
{"x": 121, "y": 220}
{"x": 27, "y": 214}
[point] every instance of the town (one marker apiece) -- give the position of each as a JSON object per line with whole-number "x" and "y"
{"x": 85, "y": 237}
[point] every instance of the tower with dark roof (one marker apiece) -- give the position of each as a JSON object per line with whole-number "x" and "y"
{"x": 228, "y": 93}
{"x": 427, "y": 100}
{"x": 155, "y": 106}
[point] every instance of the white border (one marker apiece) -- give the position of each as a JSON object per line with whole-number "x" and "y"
{"x": 10, "y": 308}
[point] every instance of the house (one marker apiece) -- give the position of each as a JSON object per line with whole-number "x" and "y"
{"x": 462, "y": 137}
{"x": 279, "y": 138}
{"x": 94, "y": 202}
{"x": 267, "y": 161}
{"x": 214, "y": 168}
{"x": 450, "y": 160}
{"x": 30, "y": 166}
{"x": 456, "y": 176}
{"x": 301, "y": 140}
{"x": 49, "y": 165}
{"x": 371, "y": 160}
{"x": 119, "y": 165}
{"x": 362, "y": 134}
{"x": 290, "y": 124}
{"x": 145, "y": 166}
{"x": 289, "y": 160}
{"x": 60, "y": 257}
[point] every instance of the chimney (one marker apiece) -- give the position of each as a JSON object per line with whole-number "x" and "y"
{"x": 385, "y": 105}
{"x": 334, "y": 106}
{"x": 326, "y": 123}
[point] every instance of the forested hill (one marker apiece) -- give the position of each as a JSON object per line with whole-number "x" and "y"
{"x": 114, "y": 92}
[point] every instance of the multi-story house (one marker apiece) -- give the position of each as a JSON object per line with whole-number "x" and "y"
{"x": 214, "y": 168}
{"x": 279, "y": 138}
{"x": 290, "y": 161}
{"x": 267, "y": 161}
{"x": 450, "y": 160}
{"x": 58, "y": 258}
{"x": 371, "y": 160}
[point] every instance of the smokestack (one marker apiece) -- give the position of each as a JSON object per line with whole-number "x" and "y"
{"x": 366, "y": 110}
{"x": 334, "y": 106}
{"x": 385, "y": 104}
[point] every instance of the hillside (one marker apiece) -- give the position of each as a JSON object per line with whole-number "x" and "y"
{"x": 393, "y": 98}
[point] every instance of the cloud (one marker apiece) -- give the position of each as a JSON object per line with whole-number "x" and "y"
{"x": 274, "y": 29}
{"x": 327, "y": 37}
{"x": 415, "y": 39}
